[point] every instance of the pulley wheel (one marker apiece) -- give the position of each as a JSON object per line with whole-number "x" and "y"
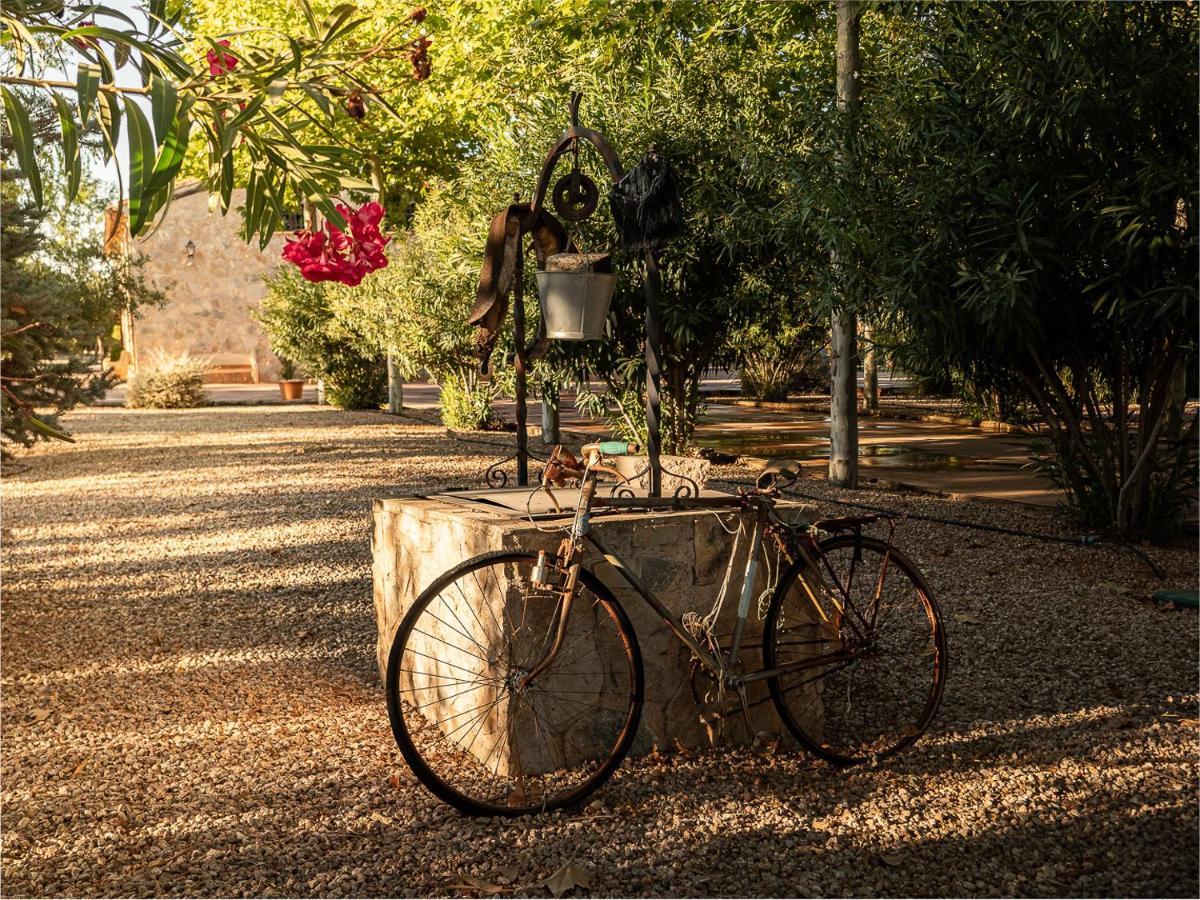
{"x": 575, "y": 196}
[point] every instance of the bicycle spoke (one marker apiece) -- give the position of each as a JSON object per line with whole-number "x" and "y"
{"x": 882, "y": 697}
{"x": 514, "y": 746}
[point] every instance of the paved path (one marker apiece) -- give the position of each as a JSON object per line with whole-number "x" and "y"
{"x": 953, "y": 459}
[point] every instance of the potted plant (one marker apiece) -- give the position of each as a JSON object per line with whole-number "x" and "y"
{"x": 290, "y": 387}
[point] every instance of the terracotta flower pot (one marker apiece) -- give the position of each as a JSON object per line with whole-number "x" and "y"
{"x": 292, "y": 389}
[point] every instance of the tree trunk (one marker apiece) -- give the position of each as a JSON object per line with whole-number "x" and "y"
{"x": 395, "y": 386}
{"x": 550, "y": 434}
{"x": 870, "y": 369}
{"x": 843, "y": 407}
{"x": 843, "y": 361}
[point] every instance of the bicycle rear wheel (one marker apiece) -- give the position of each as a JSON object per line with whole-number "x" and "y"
{"x": 470, "y": 724}
{"x": 880, "y": 633}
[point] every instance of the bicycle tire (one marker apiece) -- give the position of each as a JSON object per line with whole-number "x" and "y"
{"x": 400, "y": 720}
{"x": 934, "y": 651}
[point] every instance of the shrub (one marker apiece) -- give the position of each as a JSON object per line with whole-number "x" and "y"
{"x": 777, "y": 360}
{"x": 304, "y": 327}
{"x": 467, "y": 402}
{"x": 169, "y": 381}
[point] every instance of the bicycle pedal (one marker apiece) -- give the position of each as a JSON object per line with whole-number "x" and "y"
{"x": 768, "y": 741}
{"x": 714, "y": 727}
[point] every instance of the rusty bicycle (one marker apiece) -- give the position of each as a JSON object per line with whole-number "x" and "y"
{"x": 515, "y": 680}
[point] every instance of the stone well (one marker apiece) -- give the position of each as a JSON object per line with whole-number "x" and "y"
{"x": 682, "y": 556}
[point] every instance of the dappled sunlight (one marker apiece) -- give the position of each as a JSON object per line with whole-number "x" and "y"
{"x": 189, "y": 668}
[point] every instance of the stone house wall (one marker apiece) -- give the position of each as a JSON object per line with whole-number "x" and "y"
{"x": 212, "y": 297}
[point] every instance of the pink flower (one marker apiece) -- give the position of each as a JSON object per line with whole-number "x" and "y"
{"x": 333, "y": 255}
{"x": 220, "y": 63}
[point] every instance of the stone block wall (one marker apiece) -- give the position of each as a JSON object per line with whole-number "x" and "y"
{"x": 211, "y": 299}
{"x": 681, "y": 556}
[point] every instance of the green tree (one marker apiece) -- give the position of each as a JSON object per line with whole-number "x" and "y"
{"x": 240, "y": 91}
{"x": 1028, "y": 218}
{"x": 60, "y": 298}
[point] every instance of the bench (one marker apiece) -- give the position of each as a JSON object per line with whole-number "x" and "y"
{"x": 232, "y": 368}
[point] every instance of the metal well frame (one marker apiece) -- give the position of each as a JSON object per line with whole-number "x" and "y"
{"x": 569, "y": 141}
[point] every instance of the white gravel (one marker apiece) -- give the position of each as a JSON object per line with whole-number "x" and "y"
{"x": 190, "y": 705}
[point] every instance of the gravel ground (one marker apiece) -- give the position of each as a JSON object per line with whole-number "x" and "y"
{"x": 191, "y": 707}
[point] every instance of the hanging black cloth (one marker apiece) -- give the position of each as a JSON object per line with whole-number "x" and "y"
{"x": 645, "y": 205}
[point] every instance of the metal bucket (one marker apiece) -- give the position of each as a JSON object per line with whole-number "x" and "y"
{"x": 575, "y": 304}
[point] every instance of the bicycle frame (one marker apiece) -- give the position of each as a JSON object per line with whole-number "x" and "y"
{"x": 719, "y": 665}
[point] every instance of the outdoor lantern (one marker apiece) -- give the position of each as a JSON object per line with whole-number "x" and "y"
{"x": 575, "y": 291}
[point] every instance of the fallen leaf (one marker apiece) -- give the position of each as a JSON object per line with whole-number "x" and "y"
{"x": 394, "y": 780}
{"x": 380, "y": 818}
{"x": 508, "y": 873}
{"x": 570, "y": 876}
{"x": 967, "y": 619}
{"x": 471, "y": 883}
{"x": 40, "y": 715}
{"x": 79, "y": 768}
{"x": 891, "y": 859}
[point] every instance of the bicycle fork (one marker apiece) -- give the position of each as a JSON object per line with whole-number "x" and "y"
{"x": 541, "y": 575}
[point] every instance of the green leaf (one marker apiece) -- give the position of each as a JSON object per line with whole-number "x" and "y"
{"x": 87, "y": 84}
{"x": 110, "y": 122}
{"x": 22, "y": 133}
{"x": 226, "y": 181}
{"x": 47, "y": 429}
{"x": 310, "y": 15}
{"x": 318, "y": 97}
{"x": 22, "y": 43}
{"x": 173, "y": 153}
{"x": 336, "y": 17}
{"x": 163, "y": 99}
{"x": 170, "y": 60}
{"x": 141, "y": 164}
{"x": 70, "y": 144}
{"x": 244, "y": 116}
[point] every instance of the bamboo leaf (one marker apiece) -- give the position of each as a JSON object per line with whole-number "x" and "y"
{"x": 70, "y": 144}
{"x": 22, "y": 133}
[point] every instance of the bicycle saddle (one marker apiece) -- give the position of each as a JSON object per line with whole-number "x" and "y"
{"x": 844, "y": 523}
{"x": 774, "y": 470}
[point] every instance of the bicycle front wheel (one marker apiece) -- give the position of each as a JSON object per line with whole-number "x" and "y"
{"x": 865, "y": 647}
{"x": 471, "y": 723}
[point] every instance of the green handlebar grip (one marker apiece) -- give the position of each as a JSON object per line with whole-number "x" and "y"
{"x": 616, "y": 448}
